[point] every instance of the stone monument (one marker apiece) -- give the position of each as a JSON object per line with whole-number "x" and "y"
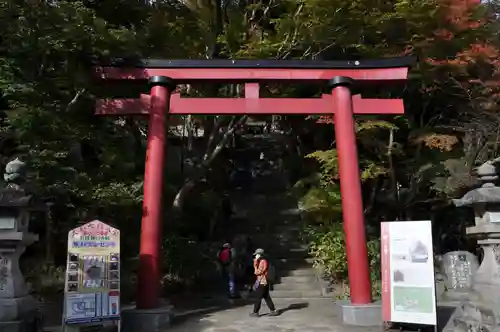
{"x": 17, "y": 308}
{"x": 479, "y": 310}
{"x": 459, "y": 268}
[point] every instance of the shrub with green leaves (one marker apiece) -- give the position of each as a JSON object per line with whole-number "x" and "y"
{"x": 320, "y": 200}
{"x": 328, "y": 249}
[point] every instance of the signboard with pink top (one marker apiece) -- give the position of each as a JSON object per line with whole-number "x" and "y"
{"x": 92, "y": 286}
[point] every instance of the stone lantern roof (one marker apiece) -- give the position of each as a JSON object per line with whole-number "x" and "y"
{"x": 488, "y": 192}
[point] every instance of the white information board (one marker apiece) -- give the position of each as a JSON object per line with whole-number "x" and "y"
{"x": 92, "y": 290}
{"x": 408, "y": 286}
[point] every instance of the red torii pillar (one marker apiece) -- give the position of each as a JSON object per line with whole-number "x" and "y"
{"x": 341, "y": 103}
{"x": 150, "y": 242}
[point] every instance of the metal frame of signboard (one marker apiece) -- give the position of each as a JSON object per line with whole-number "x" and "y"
{"x": 387, "y": 277}
{"x": 94, "y": 240}
{"x": 406, "y": 327}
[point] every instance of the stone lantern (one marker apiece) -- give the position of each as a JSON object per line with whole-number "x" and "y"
{"x": 17, "y": 308}
{"x": 480, "y": 308}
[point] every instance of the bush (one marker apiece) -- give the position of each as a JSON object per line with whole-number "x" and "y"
{"x": 44, "y": 280}
{"x": 186, "y": 263}
{"x": 376, "y": 289}
{"x": 320, "y": 199}
{"x": 327, "y": 246}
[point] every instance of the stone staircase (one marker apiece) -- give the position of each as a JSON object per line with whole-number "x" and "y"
{"x": 296, "y": 277}
{"x": 274, "y": 223}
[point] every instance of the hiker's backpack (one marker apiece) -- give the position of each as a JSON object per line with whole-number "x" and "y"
{"x": 271, "y": 272}
{"x": 225, "y": 256}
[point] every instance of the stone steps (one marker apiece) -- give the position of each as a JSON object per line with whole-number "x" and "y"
{"x": 284, "y": 254}
{"x": 297, "y": 279}
{"x": 291, "y": 248}
{"x": 273, "y": 223}
{"x": 293, "y": 294}
{"x": 278, "y": 241}
{"x": 292, "y": 286}
{"x": 293, "y": 263}
{"x": 300, "y": 272}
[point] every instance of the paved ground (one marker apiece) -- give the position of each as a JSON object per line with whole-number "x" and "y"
{"x": 305, "y": 316}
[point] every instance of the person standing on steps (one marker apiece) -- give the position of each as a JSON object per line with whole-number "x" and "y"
{"x": 226, "y": 260}
{"x": 262, "y": 284}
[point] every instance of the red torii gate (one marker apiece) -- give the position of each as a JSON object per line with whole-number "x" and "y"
{"x": 341, "y": 76}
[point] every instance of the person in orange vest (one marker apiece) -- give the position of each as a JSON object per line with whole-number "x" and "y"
{"x": 262, "y": 284}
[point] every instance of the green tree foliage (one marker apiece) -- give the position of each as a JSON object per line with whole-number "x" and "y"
{"x": 321, "y": 203}
{"x": 91, "y": 167}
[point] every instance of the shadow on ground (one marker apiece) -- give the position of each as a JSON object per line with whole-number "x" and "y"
{"x": 293, "y": 306}
{"x": 444, "y": 314}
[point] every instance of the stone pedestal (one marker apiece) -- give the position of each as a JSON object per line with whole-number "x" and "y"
{"x": 17, "y": 308}
{"x": 361, "y": 315}
{"x": 151, "y": 320}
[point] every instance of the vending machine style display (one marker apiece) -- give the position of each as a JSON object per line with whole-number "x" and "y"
{"x": 92, "y": 290}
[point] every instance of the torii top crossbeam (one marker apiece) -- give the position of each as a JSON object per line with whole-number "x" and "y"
{"x": 189, "y": 71}
{"x": 252, "y": 73}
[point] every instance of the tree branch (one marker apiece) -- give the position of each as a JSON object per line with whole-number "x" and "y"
{"x": 211, "y": 138}
{"x": 75, "y": 99}
{"x": 190, "y": 183}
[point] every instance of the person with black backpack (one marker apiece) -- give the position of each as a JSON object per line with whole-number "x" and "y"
{"x": 264, "y": 274}
{"x": 226, "y": 261}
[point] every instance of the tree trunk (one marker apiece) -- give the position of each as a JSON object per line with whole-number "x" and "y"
{"x": 49, "y": 252}
{"x": 392, "y": 174}
{"x": 191, "y": 133}
{"x": 208, "y": 158}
